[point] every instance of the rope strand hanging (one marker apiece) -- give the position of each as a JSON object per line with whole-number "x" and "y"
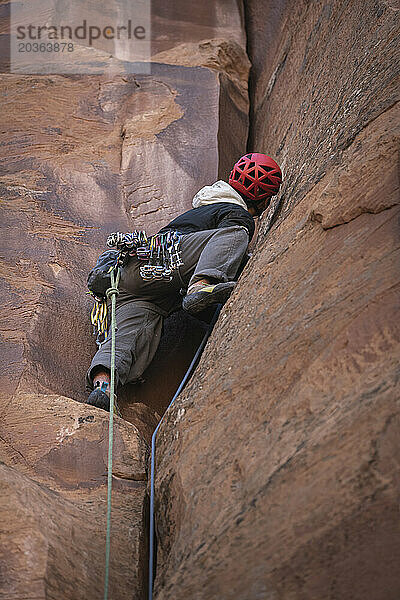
{"x": 112, "y": 293}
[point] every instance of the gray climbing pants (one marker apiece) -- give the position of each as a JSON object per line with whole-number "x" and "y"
{"x": 141, "y": 305}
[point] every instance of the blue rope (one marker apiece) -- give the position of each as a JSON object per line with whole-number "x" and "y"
{"x": 153, "y": 444}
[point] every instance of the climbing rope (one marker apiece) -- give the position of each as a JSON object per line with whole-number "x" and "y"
{"x": 153, "y": 446}
{"x": 112, "y": 293}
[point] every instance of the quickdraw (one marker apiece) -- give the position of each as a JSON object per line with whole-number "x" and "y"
{"x": 161, "y": 254}
{"x": 98, "y": 317}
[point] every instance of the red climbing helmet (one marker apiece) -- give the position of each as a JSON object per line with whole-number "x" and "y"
{"x": 256, "y": 176}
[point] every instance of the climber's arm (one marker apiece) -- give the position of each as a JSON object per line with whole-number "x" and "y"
{"x": 230, "y": 215}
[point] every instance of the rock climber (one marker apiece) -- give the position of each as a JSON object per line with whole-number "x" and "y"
{"x": 214, "y": 236}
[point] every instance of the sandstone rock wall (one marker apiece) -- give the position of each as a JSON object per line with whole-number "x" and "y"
{"x": 53, "y": 501}
{"x": 277, "y": 469}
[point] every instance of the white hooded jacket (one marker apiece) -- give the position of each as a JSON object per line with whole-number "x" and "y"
{"x": 214, "y": 206}
{"x": 220, "y": 191}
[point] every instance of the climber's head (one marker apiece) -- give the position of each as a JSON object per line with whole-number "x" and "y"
{"x": 256, "y": 177}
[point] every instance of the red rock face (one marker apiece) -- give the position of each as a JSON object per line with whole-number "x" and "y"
{"x": 341, "y": 76}
{"x": 276, "y": 469}
{"x": 53, "y": 501}
{"x": 174, "y": 23}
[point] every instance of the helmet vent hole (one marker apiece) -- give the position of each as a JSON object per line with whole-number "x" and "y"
{"x": 247, "y": 182}
{"x": 277, "y": 176}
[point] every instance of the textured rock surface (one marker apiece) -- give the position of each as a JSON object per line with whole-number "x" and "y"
{"x": 53, "y": 501}
{"x": 171, "y": 24}
{"x": 277, "y": 470}
{"x": 174, "y": 23}
{"x": 322, "y": 72}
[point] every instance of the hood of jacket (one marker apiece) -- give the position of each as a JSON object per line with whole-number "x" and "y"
{"x": 220, "y": 191}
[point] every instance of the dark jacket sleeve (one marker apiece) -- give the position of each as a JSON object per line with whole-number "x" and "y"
{"x": 235, "y": 215}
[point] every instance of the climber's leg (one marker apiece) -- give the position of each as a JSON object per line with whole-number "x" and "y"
{"x": 101, "y": 375}
{"x": 214, "y": 255}
{"x": 138, "y": 334}
{"x": 210, "y": 278}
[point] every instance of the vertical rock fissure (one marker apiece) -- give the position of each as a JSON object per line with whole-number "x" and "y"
{"x": 251, "y": 81}
{"x": 276, "y": 202}
{"x": 87, "y": 156}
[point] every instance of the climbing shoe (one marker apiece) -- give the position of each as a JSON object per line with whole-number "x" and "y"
{"x": 99, "y": 397}
{"x": 202, "y": 296}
